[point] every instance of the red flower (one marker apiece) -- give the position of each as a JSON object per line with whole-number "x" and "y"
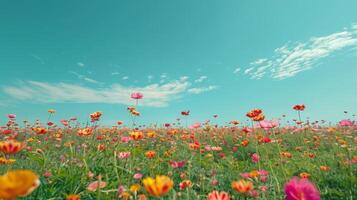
{"x": 299, "y": 107}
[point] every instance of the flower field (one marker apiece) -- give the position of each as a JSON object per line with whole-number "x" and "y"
{"x": 261, "y": 159}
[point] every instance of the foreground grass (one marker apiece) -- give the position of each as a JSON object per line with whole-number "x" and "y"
{"x": 66, "y": 161}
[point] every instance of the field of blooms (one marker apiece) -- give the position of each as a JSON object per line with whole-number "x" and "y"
{"x": 265, "y": 160}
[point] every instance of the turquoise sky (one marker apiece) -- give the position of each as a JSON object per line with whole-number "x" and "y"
{"x": 210, "y": 57}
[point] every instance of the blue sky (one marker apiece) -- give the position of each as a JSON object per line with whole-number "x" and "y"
{"x": 210, "y": 57}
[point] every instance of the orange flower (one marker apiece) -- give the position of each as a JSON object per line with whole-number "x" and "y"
{"x": 159, "y": 186}
{"x": 73, "y": 197}
{"x": 304, "y": 175}
{"x": 244, "y": 143}
{"x": 258, "y": 118}
{"x": 286, "y": 154}
{"x": 95, "y": 116}
{"x": 136, "y": 135}
{"x": 324, "y": 168}
{"x": 11, "y": 146}
{"x": 254, "y": 113}
{"x": 40, "y": 130}
{"x": 185, "y": 184}
{"x": 215, "y": 195}
{"x": 242, "y": 186}
{"x": 18, "y": 183}
{"x": 85, "y": 132}
{"x": 142, "y": 197}
{"x": 150, "y": 154}
{"x": 51, "y": 111}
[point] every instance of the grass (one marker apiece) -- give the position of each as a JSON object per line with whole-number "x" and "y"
{"x": 70, "y": 159}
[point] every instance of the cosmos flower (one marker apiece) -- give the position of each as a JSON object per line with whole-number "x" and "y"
{"x": 18, "y": 183}
{"x": 159, "y": 186}
{"x": 347, "y": 122}
{"x": 215, "y": 195}
{"x": 136, "y": 95}
{"x": 301, "y": 189}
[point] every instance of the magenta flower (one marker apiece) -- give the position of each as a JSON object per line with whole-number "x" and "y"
{"x": 347, "y": 122}
{"x": 136, "y": 95}
{"x": 255, "y": 158}
{"x": 177, "y": 164}
{"x": 301, "y": 189}
{"x": 11, "y": 116}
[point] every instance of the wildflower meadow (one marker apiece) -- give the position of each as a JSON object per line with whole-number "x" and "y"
{"x": 257, "y": 159}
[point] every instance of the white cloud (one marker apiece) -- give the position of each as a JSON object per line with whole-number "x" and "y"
{"x": 80, "y": 64}
{"x": 85, "y": 78}
{"x": 293, "y": 58}
{"x": 115, "y": 73}
{"x": 125, "y": 77}
{"x": 201, "y": 79}
{"x": 155, "y": 95}
{"x": 201, "y": 89}
{"x": 237, "y": 70}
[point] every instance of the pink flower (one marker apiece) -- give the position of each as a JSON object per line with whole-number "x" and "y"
{"x": 177, "y": 164}
{"x": 255, "y": 157}
{"x": 125, "y": 139}
{"x": 136, "y": 95}
{"x": 137, "y": 176}
{"x": 195, "y": 125}
{"x": 301, "y": 189}
{"x": 215, "y": 195}
{"x": 347, "y": 122}
{"x": 92, "y": 187}
{"x": 265, "y": 124}
{"x": 247, "y": 130}
{"x": 245, "y": 175}
{"x": 124, "y": 155}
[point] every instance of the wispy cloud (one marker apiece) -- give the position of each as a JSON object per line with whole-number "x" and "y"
{"x": 115, "y": 73}
{"x": 237, "y": 70}
{"x": 201, "y": 79}
{"x": 38, "y": 58}
{"x": 80, "y": 64}
{"x": 155, "y": 95}
{"x": 85, "y": 78}
{"x": 125, "y": 77}
{"x": 293, "y": 58}
{"x": 200, "y": 90}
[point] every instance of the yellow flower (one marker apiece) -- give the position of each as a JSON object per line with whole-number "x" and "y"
{"x": 18, "y": 183}
{"x": 73, "y": 197}
{"x": 159, "y": 186}
{"x": 51, "y": 111}
{"x": 135, "y": 188}
{"x": 4, "y": 161}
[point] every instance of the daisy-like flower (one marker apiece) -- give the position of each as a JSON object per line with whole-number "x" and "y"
{"x": 159, "y": 186}
{"x": 18, "y": 183}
